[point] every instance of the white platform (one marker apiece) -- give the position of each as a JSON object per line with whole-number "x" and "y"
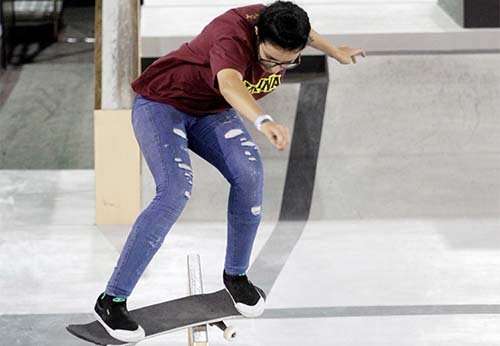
{"x": 373, "y": 25}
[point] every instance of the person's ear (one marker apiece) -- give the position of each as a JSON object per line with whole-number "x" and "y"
{"x": 256, "y": 30}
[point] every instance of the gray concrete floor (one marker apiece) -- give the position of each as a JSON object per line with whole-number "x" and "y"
{"x": 351, "y": 282}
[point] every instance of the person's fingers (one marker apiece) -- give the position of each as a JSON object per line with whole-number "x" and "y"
{"x": 283, "y": 138}
{"x": 271, "y": 137}
{"x": 286, "y": 134}
{"x": 275, "y": 139}
{"x": 278, "y": 137}
{"x": 353, "y": 59}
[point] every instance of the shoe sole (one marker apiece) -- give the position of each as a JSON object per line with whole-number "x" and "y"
{"x": 250, "y": 311}
{"x": 122, "y": 335}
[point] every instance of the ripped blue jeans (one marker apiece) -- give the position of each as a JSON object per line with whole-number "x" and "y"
{"x": 164, "y": 135}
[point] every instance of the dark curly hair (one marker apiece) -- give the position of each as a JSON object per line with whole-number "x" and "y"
{"x": 284, "y": 24}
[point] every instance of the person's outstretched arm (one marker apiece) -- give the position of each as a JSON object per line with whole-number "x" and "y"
{"x": 343, "y": 54}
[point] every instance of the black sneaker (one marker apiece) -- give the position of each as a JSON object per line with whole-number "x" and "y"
{"x": 248, "y": 299}
{"x": 112, "y": 314}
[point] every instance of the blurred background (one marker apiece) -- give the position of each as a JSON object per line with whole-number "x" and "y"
{"x": 47, "y": 84}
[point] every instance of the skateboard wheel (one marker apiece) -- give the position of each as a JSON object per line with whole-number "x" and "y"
{"x": 230, "y": 333}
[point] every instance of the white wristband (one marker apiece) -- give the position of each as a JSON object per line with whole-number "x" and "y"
{"x": 258, "y": 122}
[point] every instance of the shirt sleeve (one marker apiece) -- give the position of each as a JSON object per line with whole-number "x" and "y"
{"x": 229, "y": 52}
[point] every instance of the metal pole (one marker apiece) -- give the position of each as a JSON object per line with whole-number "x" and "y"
{"x": 197, "y": 336}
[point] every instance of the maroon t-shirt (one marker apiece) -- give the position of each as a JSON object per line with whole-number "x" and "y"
{"x": 186, "y": 78}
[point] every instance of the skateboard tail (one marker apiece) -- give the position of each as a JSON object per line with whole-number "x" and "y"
{"x": 72, "y": 332}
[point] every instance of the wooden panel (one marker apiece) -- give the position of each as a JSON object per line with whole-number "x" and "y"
{"x": 117, "y": 168}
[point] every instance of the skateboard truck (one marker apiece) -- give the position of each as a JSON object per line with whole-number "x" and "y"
{"x": 198, "y": 335}
{"x": 229, "y": 332}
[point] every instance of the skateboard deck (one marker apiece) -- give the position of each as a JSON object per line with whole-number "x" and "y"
{"x": 166, "y": 317}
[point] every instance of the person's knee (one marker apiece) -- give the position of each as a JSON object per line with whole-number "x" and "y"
{"x": 172, "y": 198}
{"x": 248, "y": 174}
{"x": 247, "y": 181}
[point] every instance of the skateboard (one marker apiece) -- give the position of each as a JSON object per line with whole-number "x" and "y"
{"x": 168, "y": 317}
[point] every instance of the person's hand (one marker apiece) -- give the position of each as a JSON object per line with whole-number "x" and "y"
{"x": 277, "y": 134}
{"x": 347, "y": 55}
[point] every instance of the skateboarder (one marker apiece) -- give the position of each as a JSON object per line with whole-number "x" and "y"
{"x": 188, "y": 99}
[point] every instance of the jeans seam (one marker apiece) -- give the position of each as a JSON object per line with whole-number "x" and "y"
{"x": 157, "y": 137}
{"x": 120, "y": 271}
